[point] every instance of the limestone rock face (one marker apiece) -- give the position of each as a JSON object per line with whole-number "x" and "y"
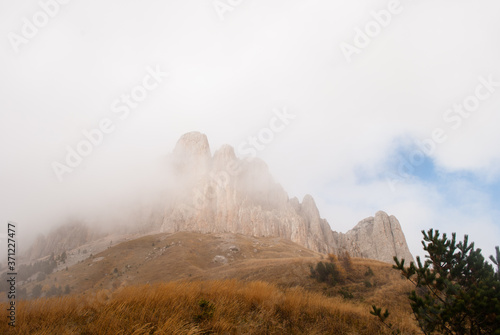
{"x": 192, "y": 153}
{"x": 379, "y": 237}
{"x": 222, "y": 193}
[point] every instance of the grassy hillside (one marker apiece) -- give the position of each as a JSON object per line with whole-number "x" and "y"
{"x": 212, "y": 284}
{"x": 185, "y": 255}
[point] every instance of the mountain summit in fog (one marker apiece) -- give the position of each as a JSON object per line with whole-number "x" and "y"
{"x": 221, "y": 193}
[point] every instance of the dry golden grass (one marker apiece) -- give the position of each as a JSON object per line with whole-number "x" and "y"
{"x": 198, "y": 307}
{"x": 264, "y": 288}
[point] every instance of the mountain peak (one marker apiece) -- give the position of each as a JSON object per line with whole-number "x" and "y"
{"x": 193, "y": 143}
{"x": 225, "y": 194}
{"x": 379, "y": 237}
{"x": 192, "y": 154}
{"x": 247, "y": 201}
{"x": 381, "y": 213}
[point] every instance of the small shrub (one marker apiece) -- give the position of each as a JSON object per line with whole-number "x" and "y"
{"x": 324, "y": 273}
{"x": 54, "y": 291}
{"x": 207, "y": 310}
{"x": 333, "y": 258}
{"x": 63, "y": 257}
{"x": 36, "y": 291}
{"x": 41, "y": 276}
{"x": 329, "y": 272}
{"x": 369, "y": 272}
{"x": 346, "y": 261}
{"x": 346, "y": 294}
{"x": 67, "y": 289}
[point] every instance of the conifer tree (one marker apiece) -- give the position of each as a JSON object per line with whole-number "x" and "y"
{"x": 456, "y": 290}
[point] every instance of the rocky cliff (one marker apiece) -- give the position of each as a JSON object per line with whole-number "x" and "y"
{"x": 222, "y": 193}
{"x": 379, "y": 237}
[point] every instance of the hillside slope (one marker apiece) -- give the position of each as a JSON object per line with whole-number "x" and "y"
{"x": 254, "y": 285}
{"x": 185, "y": 255}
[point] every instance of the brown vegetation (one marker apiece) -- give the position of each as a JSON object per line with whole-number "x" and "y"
{"x": 264, "y": 288}
{"x": 201, "y": 307}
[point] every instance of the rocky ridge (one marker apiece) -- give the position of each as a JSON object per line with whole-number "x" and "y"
{"x": 222, "y": 193}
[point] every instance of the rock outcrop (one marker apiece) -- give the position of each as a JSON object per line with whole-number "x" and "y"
{"x": 379, "y": 237}
{"x": 222, "y": 193}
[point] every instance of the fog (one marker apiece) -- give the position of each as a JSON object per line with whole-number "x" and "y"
{"x": 401, "y": 118}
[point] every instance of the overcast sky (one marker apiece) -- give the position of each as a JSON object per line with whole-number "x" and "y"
{"x": 382, "y": 105}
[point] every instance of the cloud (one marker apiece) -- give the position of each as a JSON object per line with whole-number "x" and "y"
{"x": 226, "y": 77}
